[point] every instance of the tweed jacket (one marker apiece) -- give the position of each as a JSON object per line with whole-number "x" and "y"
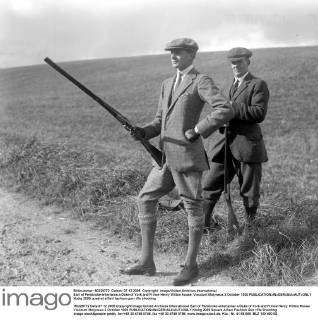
{"x": 250, "y": 102}
{"x": 180, "y": 111}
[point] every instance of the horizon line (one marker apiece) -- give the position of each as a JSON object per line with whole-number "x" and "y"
{"x": 148, "y": 55}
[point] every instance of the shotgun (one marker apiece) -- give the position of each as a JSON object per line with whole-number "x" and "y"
{"x": 232, "y": 223}
{"x": 155, "y": 153}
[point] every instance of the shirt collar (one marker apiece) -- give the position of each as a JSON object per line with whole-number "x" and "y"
{"x": 186, "y": 70}
{"x": 240, "y": 79}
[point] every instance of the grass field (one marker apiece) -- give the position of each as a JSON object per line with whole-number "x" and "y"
{"x": 58, "y": 145}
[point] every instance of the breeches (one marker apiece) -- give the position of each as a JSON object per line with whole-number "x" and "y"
{"x": 249, "y": 178}
{"x": 161, "y": 182}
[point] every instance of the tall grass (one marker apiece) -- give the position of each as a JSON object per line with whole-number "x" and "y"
{"x": 285, "y": 251}
{"x": 61, "y": 175}
{"x": 288, "y": 266}
{"x": 58, "y": 174}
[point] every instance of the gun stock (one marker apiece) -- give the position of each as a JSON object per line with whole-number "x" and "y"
{"x": 155, "y": 153}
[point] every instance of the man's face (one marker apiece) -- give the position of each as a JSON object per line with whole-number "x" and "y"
{"x": 240, "y": 67}
{"x": 181, "y": 59}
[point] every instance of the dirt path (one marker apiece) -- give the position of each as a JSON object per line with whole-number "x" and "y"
{"x": 47, "y": 246}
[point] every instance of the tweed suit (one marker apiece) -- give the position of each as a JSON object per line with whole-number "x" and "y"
{"x": 185, "y": 160}
{"x": 246, "y": 144}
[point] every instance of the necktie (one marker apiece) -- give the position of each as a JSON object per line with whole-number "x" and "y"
{"x": 235, "y": 86}
{"x": 177, "y": 82}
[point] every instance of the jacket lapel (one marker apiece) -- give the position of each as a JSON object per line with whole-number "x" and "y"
{"x": 169, "y": 88}
{"x": 186, "y": 82}
{"x": 231, "y": 89}
{"x": 243, "y": 86}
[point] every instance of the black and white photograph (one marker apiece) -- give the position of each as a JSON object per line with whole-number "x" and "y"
{"x": 158, "y": 144}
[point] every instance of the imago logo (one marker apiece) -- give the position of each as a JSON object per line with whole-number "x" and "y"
{"x": 50, "y": 301}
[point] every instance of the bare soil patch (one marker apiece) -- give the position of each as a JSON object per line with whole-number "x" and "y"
{"x": 46, "y": 245}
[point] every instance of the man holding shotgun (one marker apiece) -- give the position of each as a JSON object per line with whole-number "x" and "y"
{"x": 246, "y": 150}
{"x": 181, "y": 101}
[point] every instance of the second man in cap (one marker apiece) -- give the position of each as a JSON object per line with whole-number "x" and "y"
{"x": 249, "y": 96}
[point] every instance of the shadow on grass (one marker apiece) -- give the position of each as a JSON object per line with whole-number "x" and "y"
{"x": 215, "y": 264}
{"x": 223, "y": 255}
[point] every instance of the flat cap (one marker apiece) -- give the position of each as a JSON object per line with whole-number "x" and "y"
{"x": 182, "y": 43}
{"x": 238, "y": 53}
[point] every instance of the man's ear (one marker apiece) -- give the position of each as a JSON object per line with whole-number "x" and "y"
{"x": 193, "y": 53}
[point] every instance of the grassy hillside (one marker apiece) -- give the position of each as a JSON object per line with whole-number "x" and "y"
{"x": 60, "y": 146}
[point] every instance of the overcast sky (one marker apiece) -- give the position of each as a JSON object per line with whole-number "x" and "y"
{"x": 86, "y": 29}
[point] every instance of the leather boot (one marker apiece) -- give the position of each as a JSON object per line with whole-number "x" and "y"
{"x": 145, "y": 265}
{"x": 186, "y": 275}
{"x": 249, "y": 226}
{"x": 251, "y": 213}
{"x": 245, "y": 241}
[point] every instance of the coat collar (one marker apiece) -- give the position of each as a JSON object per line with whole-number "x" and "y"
{"x": 186, "y": 82}
{"x": 247, "y": 79}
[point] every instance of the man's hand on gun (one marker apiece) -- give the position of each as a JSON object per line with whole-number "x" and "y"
{"x": 138, "y": 133}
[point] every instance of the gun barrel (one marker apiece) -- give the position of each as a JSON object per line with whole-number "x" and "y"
{"x": 109, "y": 108}
{"x": 154, "y": 152}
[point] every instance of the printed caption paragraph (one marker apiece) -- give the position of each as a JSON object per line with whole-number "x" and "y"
{"x": 173, "y": 302}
